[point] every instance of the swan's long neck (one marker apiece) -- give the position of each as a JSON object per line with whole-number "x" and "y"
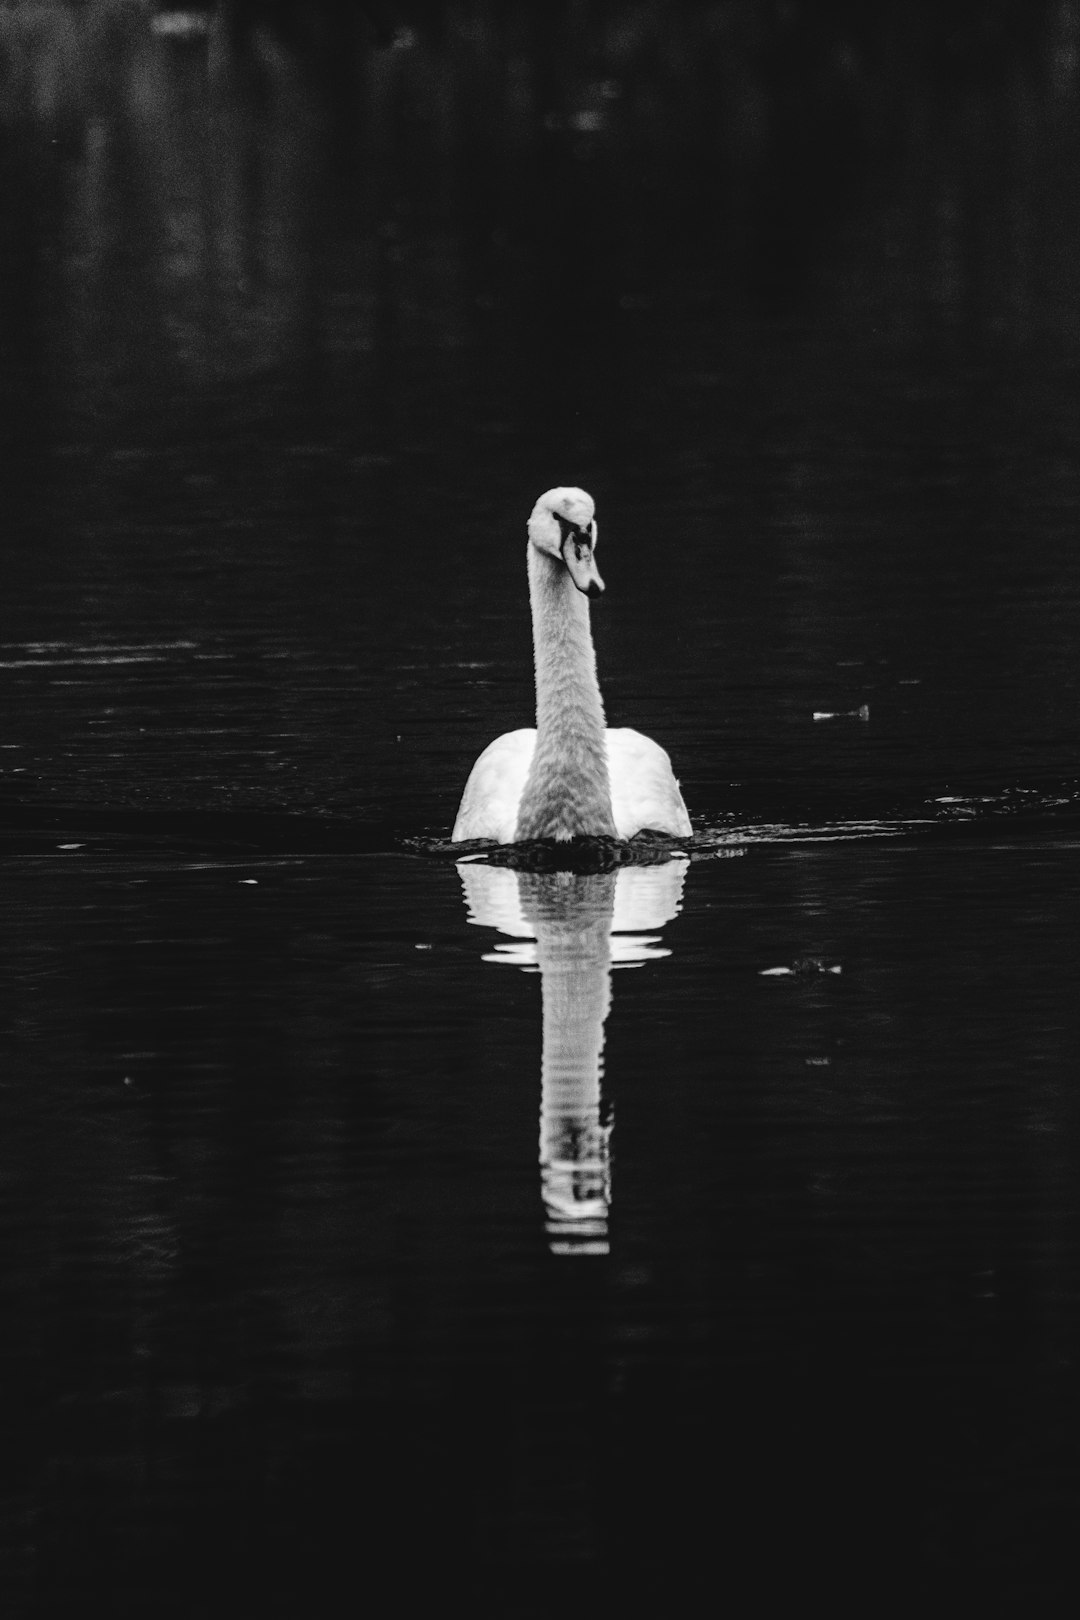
{"x": 567, "y": 793}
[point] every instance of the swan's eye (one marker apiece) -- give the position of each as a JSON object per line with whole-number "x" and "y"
{"x": 582, "y": 538}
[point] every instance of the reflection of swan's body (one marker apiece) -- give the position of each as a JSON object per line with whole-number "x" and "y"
{"x": 575, "y": 929}
{"x": 571, "y": 777}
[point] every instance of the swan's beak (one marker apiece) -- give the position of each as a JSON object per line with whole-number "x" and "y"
{"x": 578, "y": 556}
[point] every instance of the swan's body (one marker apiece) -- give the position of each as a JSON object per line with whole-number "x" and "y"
{"x": 571, "y": 777}
{"x": 643, "y": 791}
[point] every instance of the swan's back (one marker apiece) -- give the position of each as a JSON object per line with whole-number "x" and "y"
{"x": 645, "y": 796}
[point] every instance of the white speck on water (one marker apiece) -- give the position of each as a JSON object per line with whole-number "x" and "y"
{"x": 861, "y": 713}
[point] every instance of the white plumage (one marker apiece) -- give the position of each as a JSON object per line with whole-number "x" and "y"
{"x": 571, "y": 776}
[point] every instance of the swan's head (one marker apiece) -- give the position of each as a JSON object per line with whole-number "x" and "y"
{"x": 563, "y": 524}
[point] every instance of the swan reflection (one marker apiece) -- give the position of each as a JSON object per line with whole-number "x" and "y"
{"x": 573, "y": 928}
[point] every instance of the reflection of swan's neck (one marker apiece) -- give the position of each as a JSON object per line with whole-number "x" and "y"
{"x": 567, "y": 793}
{"x": 580, "y": 925}
{"x": 573, "y": 950}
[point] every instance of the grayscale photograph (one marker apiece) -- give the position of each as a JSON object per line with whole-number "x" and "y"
{"x": 539, "y": 809}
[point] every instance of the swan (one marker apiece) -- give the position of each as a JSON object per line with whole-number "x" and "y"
{"x": 571, "y": 777}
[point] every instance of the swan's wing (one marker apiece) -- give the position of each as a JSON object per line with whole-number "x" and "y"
{"x": 489, "y": 805}
{"x": 644, "y": 792}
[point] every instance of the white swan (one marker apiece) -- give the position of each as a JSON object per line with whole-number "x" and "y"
{"x": 571, "y": 777}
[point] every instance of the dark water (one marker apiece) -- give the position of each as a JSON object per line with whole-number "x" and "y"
{"x": 728, "y": 1252}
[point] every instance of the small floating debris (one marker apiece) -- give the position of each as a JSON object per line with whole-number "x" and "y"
{"x": 861, "y": 713}
{"x": 801, "y": 964}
